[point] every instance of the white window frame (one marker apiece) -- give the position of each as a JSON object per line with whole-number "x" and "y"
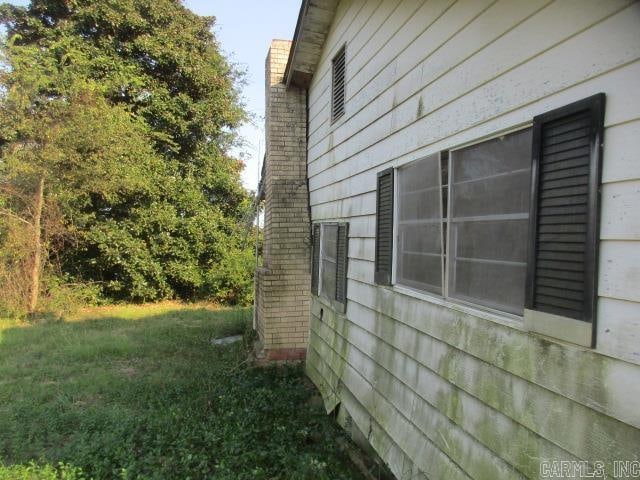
{"x": 444, "y": 299}
{"x": 396, "y": 236}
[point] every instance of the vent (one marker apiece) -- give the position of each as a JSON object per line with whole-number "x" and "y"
{"x": 337, "y": 85}
{"x": 384, "y": 227}
{"x": 562, "y": 267}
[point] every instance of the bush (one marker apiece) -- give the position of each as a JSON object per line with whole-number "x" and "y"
{"x": 14, "y": 262}
{"x": 33, "y": 471}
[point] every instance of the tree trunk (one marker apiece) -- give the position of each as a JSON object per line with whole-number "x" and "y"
{"x": 37, "y": 247}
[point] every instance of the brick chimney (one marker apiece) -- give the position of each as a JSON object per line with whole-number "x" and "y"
{"x": 283, "y": 282}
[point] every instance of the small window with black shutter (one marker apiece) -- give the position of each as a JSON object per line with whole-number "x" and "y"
{"x": 338, "y": 84}
{"x": 564, "y": 219}
{"x": 330, "y": 263}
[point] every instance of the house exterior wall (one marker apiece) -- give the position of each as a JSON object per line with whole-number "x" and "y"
{"x": 442, "y": 390}
{"x": 283, "y": 282}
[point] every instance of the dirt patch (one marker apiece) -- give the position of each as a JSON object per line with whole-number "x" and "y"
{"x": 128, "y": 372}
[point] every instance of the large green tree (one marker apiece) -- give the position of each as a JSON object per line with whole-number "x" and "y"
{"x": 123, "y": 113}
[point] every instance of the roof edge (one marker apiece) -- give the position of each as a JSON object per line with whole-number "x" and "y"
{"x": 314, "y": 21}
{"x": 287, "y": 71}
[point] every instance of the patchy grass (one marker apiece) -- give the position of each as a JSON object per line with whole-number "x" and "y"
{"x": 139, "y": 392}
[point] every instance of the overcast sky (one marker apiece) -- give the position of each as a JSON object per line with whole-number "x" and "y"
{"x": 245, "y": 29}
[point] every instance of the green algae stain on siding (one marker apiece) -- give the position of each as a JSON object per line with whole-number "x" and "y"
{"x": 335, "y": 362}
{"x": 504, "y": 369}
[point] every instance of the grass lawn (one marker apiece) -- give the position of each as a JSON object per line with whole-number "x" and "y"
{"x": 140, "y": 392}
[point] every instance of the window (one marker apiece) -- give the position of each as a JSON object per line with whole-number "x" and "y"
{"x": 330, "y": 255}
{"x": 489, "y": 225}
{"x": 489, "y": 221}
{"x": 419, "y": 226}
{"x": 328, "y": 244}
{"x": 338, "y": 84}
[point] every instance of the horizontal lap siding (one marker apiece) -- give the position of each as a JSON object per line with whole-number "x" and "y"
{"x": 451, "y": 111}
{"x": 467, "y": 430}
{"x": 439, "y": 391}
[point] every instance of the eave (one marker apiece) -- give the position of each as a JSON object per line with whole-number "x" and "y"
{"x": 313, "y": 25}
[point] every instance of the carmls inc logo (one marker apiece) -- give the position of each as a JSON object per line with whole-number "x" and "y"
{"x": 582, "y": 469}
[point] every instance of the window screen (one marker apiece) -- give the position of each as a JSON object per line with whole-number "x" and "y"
{"x": 328, "y": 257}
{"x": 489, "y": 219}
{"x": 419, "y": 225}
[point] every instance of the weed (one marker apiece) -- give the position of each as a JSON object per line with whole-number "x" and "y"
{"x": 140, "y": 393}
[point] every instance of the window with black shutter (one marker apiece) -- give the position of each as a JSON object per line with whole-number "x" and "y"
{"x": 384, "y": 227}
{"x": 563, "y": 234}
{"x": 338, "y": 84}
{"x": 508, "y": 224}
{"x": 330, "y": 263}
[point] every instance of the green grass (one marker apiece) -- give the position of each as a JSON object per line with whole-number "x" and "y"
{"x": 140, "y": 392}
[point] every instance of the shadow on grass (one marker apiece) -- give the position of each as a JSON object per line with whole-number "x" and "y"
{"x": 135, "y": 393}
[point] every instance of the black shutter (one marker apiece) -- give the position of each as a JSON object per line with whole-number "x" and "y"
{"x": 565, "y": 191}
{"x": 342, "y": 254}
{"x": 315, "y": 265}
{"x": 337, "y": 84}
{"x": 384, "y": 227}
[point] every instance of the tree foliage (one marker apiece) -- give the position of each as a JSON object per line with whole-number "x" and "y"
{"x": 127, "y": 110}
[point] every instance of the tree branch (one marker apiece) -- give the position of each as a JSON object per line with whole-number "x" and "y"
{"x": 10, "y": 214}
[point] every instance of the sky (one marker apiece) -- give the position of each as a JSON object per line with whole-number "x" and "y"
{"x": 244, "y": 29}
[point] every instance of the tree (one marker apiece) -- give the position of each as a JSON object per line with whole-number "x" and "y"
{"x": 125, "y": 111}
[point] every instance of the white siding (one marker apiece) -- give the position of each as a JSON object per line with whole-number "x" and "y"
{"x": 444, "y": 391}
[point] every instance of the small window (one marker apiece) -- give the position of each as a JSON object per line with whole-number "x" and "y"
{"x": 330, "y": 256}
{"x": 337, "y": 85}
{"x": 328, "y": 261}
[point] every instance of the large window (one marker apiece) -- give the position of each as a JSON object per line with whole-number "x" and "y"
{"x": 482, "y": 224}
{"x": 510, "y": 223}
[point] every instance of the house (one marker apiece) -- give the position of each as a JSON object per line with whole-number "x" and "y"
{"x": 452, "y": 230}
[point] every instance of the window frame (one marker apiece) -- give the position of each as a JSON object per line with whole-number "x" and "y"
{"x": 445, "y": 299}
{"x": 396, "y": 236}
